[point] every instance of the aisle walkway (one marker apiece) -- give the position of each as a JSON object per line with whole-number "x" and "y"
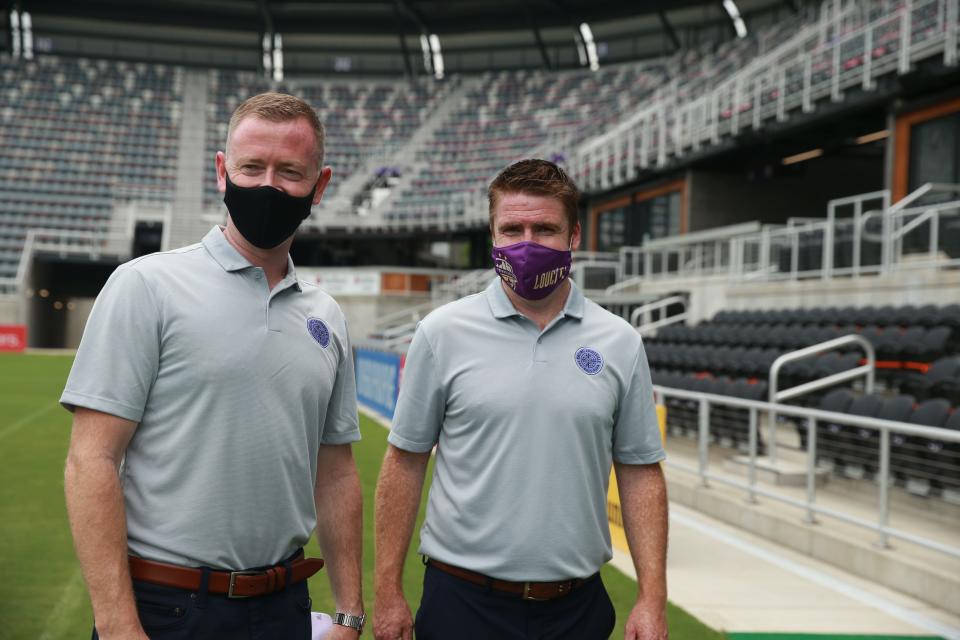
{"x": 740, "y": 583}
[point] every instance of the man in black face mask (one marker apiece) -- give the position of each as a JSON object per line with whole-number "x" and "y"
{"x": 226, "y": 387}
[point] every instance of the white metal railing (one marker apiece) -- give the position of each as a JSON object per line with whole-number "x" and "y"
{"x": 64, "y": 243}
{"x": 811, "y": 419}
{"x": 403, "y": 316}
{"x": 809, "y": 67}
{"x": 591, "y": 265}
{"x": 868, "y": 371}
{"x": 699, "y": 253}
{"x": 861, "y": 235}
{"x": 470, "y": 282}
{"x": 640, "y": 318}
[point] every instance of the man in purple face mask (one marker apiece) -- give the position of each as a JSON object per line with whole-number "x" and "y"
{"x": 529, "y": 392}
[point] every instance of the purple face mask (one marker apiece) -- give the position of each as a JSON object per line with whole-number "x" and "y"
{"x": 532, "y": 270}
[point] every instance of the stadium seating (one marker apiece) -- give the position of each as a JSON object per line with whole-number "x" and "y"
{"x": 510, "y": 115}
{"x": 363, "y": 120}
{"x": 919, "y": 362}
{"x": 78, "y": 135}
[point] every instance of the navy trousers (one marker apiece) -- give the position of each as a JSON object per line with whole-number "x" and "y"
{"x": 167, "y": 613}
{"x": 454, "y": 609}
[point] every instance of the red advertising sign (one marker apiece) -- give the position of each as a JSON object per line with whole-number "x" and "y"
{"x": 13, "y": 337}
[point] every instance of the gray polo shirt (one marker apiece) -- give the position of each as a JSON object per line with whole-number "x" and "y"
{"x": 527, "y": 423}
{"x": 234, "y": 387}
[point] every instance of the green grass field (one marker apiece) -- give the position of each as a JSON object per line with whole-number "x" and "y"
{"x": 42, "y": 595}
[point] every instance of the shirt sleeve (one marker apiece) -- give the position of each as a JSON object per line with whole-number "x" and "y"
{"x": 341, "y": 424}
{"x": 119, "y": 354}
{"x": 421, "y": 404}
{"x": 636, "y": 432}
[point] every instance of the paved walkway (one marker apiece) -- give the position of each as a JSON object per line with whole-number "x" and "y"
{"x": 743, "y": 584}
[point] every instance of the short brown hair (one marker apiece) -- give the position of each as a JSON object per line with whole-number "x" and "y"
{"x": 279, "y": 107}
{"x": 537, "y": 178}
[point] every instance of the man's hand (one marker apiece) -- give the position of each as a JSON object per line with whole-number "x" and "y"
{"x": 398, "y": 496}
{"x": 643, "y": 500}
{"x": 340, "y": 632}
{"x": 129, "y": 632}
{"x": 647, "y": 621}
{"x": 392, "y": 619}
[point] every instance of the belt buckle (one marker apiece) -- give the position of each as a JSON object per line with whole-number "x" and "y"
{"x": 526, "y": 593}
{"x": 233, "y": 582}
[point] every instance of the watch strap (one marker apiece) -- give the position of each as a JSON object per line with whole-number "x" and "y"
{"x": 349, "y": 620}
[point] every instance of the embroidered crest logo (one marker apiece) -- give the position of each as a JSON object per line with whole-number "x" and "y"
{"x": 589, "y": 361}
{"x": 318, "y": 329}
{"x": 505, "y": 269}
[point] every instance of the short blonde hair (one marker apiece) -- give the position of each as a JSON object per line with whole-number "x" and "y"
{"x": 279, "y": 107}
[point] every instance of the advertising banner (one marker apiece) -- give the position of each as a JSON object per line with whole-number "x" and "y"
{"x": 13, "y": 337}
{"x": 378, "y": 379}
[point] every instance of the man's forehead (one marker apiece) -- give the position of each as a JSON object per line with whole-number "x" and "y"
{"x": 254, "y": 135}
{"x": 522, "y": 206}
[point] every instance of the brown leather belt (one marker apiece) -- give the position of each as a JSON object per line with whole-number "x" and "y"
{"x": 235, "y": 584}
{"x": 526, "y": 590}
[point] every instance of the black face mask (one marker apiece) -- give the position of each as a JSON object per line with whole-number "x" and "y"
{"x": 266, "y": 216}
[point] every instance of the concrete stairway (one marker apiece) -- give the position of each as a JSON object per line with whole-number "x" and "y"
{"x": 186, "y": 224}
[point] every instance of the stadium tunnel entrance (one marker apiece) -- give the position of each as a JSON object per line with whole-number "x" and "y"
{"x": 60, "y": 297}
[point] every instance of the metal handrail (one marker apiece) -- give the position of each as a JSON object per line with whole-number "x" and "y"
{"x": 663, "y": 322}
{"x": 415, "y": 312}
{"x": 811, "y": 417}
{"x": 656, "y": 305}
{"x": 617, "y": 287}
{"x": 868, "y": 370}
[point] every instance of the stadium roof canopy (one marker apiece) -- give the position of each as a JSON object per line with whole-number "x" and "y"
{"x": 384, "y": 36}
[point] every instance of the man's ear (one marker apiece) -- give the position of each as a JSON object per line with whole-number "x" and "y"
{"x": 575, "y": 237}
{"x": 325, "y": 174}
{"x": 221, "y": 162}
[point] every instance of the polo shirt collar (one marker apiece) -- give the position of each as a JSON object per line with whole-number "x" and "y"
{"x": 220, "y": 249}
{"x": 223, "y": 252}
{"x": 501, "y": 307}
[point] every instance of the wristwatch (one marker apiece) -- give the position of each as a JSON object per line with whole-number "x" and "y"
{"x": 348, "y": 620}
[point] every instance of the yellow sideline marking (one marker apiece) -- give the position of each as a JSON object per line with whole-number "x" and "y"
{"x": 24, "y": 421}
{"x": 71, "y": 597}
{"x": 618, "y": 536}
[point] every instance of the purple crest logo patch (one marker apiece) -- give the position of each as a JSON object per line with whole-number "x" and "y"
{"x": 318, "y": 329}
{"x": 589, "y": 361}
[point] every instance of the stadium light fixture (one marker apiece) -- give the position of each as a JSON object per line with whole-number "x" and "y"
{"x": 15, "y": 33}
{"x": 437, "y": 56}
{"x": 586, "y": 34}
{"x": 267, "y": 54}
{"x": 427, "y": 55}
{"x": 26, "y": 26}
{"x": 802, "y": 157}
{"x": 734, "y": 14}
{"x": 277, "y": 57}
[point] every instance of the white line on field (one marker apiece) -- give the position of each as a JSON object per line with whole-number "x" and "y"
{"x": 25, "y": 420}
{"x": 71, "y": 597}
{"x": 375, "y": 415}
